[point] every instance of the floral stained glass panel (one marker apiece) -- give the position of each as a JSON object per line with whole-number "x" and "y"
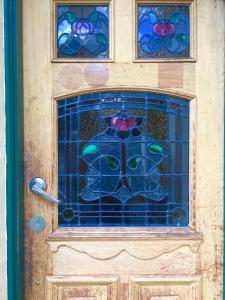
{"x": 163, "y": 31}
{"x": 123, "y": 160}
{"x": 83, "y": 31}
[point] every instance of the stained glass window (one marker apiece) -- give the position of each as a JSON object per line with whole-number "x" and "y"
{"x": 123, "y": 160}
{"x": 163, "y": 31}
{"x": 83, "y": 31}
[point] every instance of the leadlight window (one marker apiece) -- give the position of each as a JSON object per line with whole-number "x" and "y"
{"x": 83, "y": 31}
{"x": 163, "y": 31}
{"x": 123, "y": 160}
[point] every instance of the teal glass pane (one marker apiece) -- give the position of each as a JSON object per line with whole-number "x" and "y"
{"x": 83, "y": 31}
{"x": 123, "y": 160}
{"x": 163, "y": 31}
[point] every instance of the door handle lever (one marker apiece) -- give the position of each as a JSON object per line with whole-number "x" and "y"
{"x": 38, "y": 186}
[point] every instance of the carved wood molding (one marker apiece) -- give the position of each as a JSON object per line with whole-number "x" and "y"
{"x": 148, "y": 252}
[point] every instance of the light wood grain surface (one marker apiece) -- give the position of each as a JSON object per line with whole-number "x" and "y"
{"x": 122, "y": 264}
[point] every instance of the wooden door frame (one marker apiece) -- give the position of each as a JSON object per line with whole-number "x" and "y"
{"x": 14, "y": 149}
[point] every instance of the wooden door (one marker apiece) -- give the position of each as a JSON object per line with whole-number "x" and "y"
{"x": 123, "y": 115}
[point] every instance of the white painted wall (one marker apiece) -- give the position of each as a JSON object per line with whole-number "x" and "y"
{"x": 3, "y": 245}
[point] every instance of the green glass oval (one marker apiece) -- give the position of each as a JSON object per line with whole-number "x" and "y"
{"x": 90, "y": 149}
{"x": 182, "y": 38}
{"x": 175, "y": 18}
{"x": 94, "y": 17}
{"x": 70, "y": 17}
{"x": 101, "y": 38}
{"x": 133, "y": 163}
{"x": 155, "y": 148}
{"x": 113, "y": 163}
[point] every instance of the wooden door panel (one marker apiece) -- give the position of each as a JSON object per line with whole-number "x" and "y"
{"x": 145, "y": 257}
{"x": 165, "y": 288}
{"x": 101, "y": 287}
{"x": 81, "y": 288}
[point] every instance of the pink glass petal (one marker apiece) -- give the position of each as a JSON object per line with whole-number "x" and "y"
{"x": 114, "y": 121}
{"x": 172, "y": 28}
{"x": 157, "y": 28}
{"x": 124, "y": 127}
{"x": 119, "y": 122}
{"x": 128, "y": 123}
{"x": 163, "y": 32}
{"x": 133, "y": 122}
{"x": 168, "y": 29}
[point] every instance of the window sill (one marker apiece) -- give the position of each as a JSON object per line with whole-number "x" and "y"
{"x": 168, "y": 233}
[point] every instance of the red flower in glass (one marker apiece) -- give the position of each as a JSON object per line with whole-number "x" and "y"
{"x": 164, "y": 29}
{"x": 123, "y": 122}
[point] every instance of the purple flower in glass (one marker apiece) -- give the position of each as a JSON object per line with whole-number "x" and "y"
{"x": 82, "y": 27}
{"x": 89, "y": 33}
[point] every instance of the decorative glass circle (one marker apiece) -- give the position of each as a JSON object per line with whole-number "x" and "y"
{"x": 178, "y": 213}
{"x": 68, "y": 214}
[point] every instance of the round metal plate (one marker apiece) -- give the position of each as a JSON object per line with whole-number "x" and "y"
{"x": 37, "y": 223}
{"x": 40, "y": 182}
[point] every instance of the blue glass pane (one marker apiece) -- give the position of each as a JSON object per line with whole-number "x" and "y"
{"x": 82, "y": 31}
{"x": 163, "y": 31}
{"x": 123, "y": 160}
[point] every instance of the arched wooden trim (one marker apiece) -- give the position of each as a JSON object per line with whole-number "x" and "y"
{"x": 125, "y": 88}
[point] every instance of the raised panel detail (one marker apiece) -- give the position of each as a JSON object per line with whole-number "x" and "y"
{"x": 82, "y": 292}
{"x": 153, "y": 256}
{"x": 165, "y": 288}
{"x": 81, "y": 288}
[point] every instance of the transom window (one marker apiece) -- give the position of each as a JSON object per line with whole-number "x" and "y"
{"x": 82, "y": 31}
{"x": 123, "y": 160}
{"x": 163, "y": 31}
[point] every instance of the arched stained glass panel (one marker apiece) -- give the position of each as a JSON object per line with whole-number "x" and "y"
{"x": 123, "y": 160}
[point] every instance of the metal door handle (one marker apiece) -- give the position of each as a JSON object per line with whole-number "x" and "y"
{"x": 38, "y": 187}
